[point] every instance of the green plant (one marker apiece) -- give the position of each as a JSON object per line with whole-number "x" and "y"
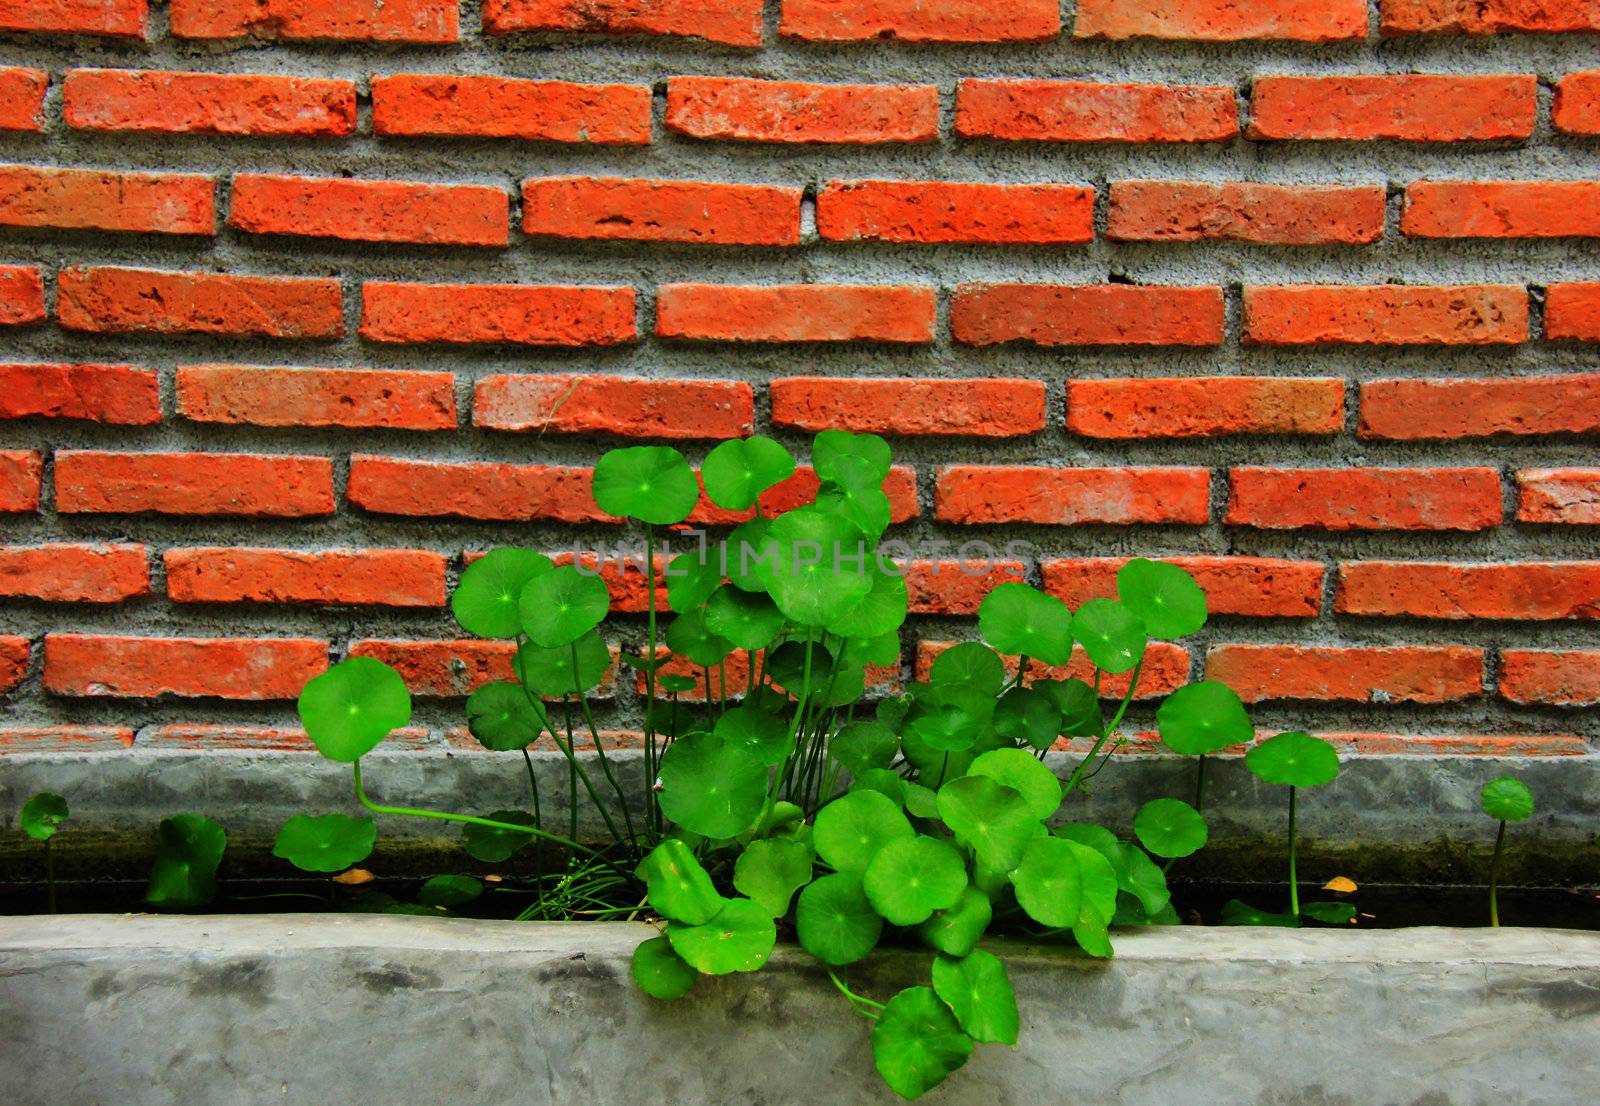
{"x": 188, "y": 850}
{"x": 41, "y": 819}
{"x": 1506, "y": 799}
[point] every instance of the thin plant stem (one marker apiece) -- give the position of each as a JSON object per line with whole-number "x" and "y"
{"x": 575, "y": 770}
{"x": 1200, "y": 784}
{"x": 654, "y": 810}
{"x": 605, "y": 765}
{"x": 1105, "y": 733}
{"x": 50, "y": 870}
{"x": 722, "y": 681}
{"x": 1294, "y": 881}
{"x": 1494, "y": 877}
{"x": 538, "y": 820}
{"x": 862, "y": 1005}
{"x": 1022, "y": 670}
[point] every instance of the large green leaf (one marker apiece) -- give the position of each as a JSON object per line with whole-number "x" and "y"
{"x": 660, "y": 972}
{"x": 917, "y": 1042}
{"x": 749, "y": 620}
{"x": 971, "y": 663}
{"x": 739, "y": 939}
{"x": 188, "y": 849}
{"x": 957, "y": 930}
{"x": 862, "y": 746}
{"x": 353, "y": 706}
{"x": 852, "y": 829}
{"x": 42, "y": 815}
{"x": 487, "y": 602}
{"x": 1294, "y": 760}
{"x": 1049, "y": 881}
{"x": 677, "y": 885}
{"x": 836, "y": 454}
{"x": 991, "y": 819}
{"x": 881, "y": 612}
{"x": 1024, "y": 714}
{"x": 910, "y": 878}
{"x": 503, "y": 718}
{"x": 764, "y": 734}
{"x": 1170, "y": 828}
{"x": 496, "y": 846}
{"x": 748, "y": 550}
{"x": 690, "y": 636}
{"x": 1110, "y": 633}
{"x": 1080, "y": 709}
{"x": 738, "y": 471}
{"x": 1024, "y": 621}
{"x": 692, "y": 577}
{"x": 1203, "y": 718}
{"x": 819, "y": 567}
{"x": 711, "y": 786}
{"x": 771, "y": 871}
{"x": 556, "y": 672}
{"x": 651, "y": 483}
{"x": 855, "y": 493}
{"x": 978, "y": 992}
{"x": 1165, "y": 597}
{"x": 562, "y": 605}
{"x": 1024, "y": 773}
{"x": 326, "y": 843}
{"x": 835, "y": 921}
{"x": 1507, "y": 799}
{"x": 949, "y": 717}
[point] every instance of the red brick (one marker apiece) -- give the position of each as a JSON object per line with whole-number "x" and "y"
{"x": 417, "y": 21}
{"x": 477, "y": 490}
{"x": 980, "y": 408}
{"x": 1386, "y": 315}
{"x": 1166, "y": 669}
{"x": 1087, "y": 315}
{"x": 880, "y": 680}
{"x": 1394, "y": 589}
{"x": 735, "y": 22}
{"x": 266, "y": 739}
{"x": 662, "y": 211}
{"x": 64, "y": 739}
{"x": 1417, "y": 410}
{"x": 1376, "y": 674}
{"x": 1082, "y": 111}
{"x": 95, "y": 666}
{"x": 371, "y": 211}
{"x": 14, "y": 655}
{"x": 510, "y": 314}
{"x": 1222, "y": 20}
{"x": 367, "y": 577}
{"x": 1250, "y": 587}
{"x": 272, "y": 396}
{"x": 1204, "y": 407}
{"x": 629, "y": 407}
{"x": 22, "y": 98}
{"x": 21, "y": 295}
{"x": 957, "y": 586}
{"x": 110, "y": 18}
{"x": 1549, "y": 677}
{"x": 1486, "y": 17}
{"x": 1502, "y": 209}
{"x": 74, "y": 573}
{"x": 1365, "y": 499}
{"x": 221, "y": 484}
{"x": 1240, "y": 211}
{"x": 1455, "y": 745}
{"x": 89, "y": 199}
{"x": 796, "y": 313}
{"x": 1074, "y": 496}
{"x": 748, "y": 110}
{"x": 1570, "y": 496}
{"x": 1572, "y": 313}
{"x": 495, "y": 107}
{"x": 974, "y": 214}
{"x": 801, "y": 488}
{"x": 208, "y": 103}
{"x": 119, "y": 394}
{"x": 920, "y": 20}
{"x": 455, "y": 669}
{"x": 21, "y": 474}
{"x": 1405, "y": 108}
{"x": 125, "y": 301}
{"x": 1577, "y": 103}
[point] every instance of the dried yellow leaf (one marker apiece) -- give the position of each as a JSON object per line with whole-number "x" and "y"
{"x": 1342, "y": 884}
{"x": 355, "y": 877}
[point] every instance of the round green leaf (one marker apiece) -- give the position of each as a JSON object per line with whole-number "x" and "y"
{"x": 971, "y": 663}
{"x": 884, "y": 649}
{"x": 762, "y": 733}
{"x": 786, "y": 665}
{"x": 852, "y": 829}
{"x": 855, "y": 493}
{"x": 1098, "y": 885}
{"x": 1329, "y": 913}
{"x": 352, "y": 706}
{"x": 651, "y": 483}
{"x": 692, "y": 577}
{"x": 660, "y": 972}
{"x": 1029, "y": 716}
{"x": 746, "y": 553}
{"x": 749, "y": 620}
{"x": 917, "y": 1042}
{"x": 329, "y": 843}
{"x": 1024, "y": 773}
{"x": 738, "y": 471}
{"x": 487, "y": 602}
{"x": 712, "y": 787}
{"x": 771, "y": 871}
{"x": 448, "y": 891}
{"x": 1080, "y": 710}
{"x": 881, "y": 612}
{"x": 677, "y": 885}
{"x": 496, "y": 846}
{"x": 1294, "y": 760}
{"x": 912, "y": 877}
{"x": 689, "y": 636}
{"x": 833, "y": 450}
{"x": 556, "y": 672}
{"x": 950, "y": 717}
{"x": 862, "y": 746}
{"x": 834, "y": 920}
{"x": 675, "y": 683}
{"x": 1203, "y": 718}
{"x": 1110, "y": 633}
{"x": 188, "y": 849}
{"x": 562, "y": 605}
{"x": 42, "y": 815}
{"x": 1164, "y": 597}
{"x": 978, "y": 992}
{"x": 957, "y": 931}
{"x": 1049, "y": 881}
{"x": 1170, "y": 828}
{"x": 991, "y": 819}
{"x": 886, "y": 782}
{"x": 739, "y": 939}
{"x": 503, "y": 718}
{"x": 1098, "y": 838}
{"x": 819, "y": 566}
{"x": 1507, "y": 799}
{"x": 921, "y": 802}
{"x": 1024, "y": 621}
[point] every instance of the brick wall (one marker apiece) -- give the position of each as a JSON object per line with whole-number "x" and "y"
{"x": 303, "y": 303}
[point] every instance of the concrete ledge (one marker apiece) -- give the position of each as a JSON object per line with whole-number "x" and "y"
{"x": 302, "y": 1009}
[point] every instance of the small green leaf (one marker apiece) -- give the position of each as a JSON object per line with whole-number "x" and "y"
{"x": 971, "y": 663}
{"x": 978, "y": 992}
{"x": 911, "y": 878}
{"x": 1329, "y": 913}
{"x": 712, "y": 787}
{"x": 921, "y": 802}
{"x": 739, "y": 939}
{"x": 689, "y": 636}
{"x": 650, "y": 483}
{"x": 957, "y": 930}
{"x": 1110, "y": 633}
{"x": 1098, "y": 886}
{"x": 448, "y": 891}
{"x": 487, "y": 602}
{"x": 1026, "y": 715}
{"x": 880, "y": 612}
{"x": 503, "y": 718}
{"x": 188, "y": 849}
{"x": 747, "y": 553}
{"x": 786, "y": 665}
{"x": 850, "y": 831}
{"x": 1294, "y": 760}
{"x": 885, "y": 782}
{"x": 329, "y": 843}
{"x": 738, "y": 471}
{"x": 831, "y": 449}
{"x": 42, "y": 815}
{"x": 818, "y": 569}
{"x": 1236, "y": 913}
{"x": 353, "y": 706}
{"x": 1507, "y": 799}
{"x": 675, "y": 683}
{"x": 749, "y": 620}
{"x": 835, "y": 921}
{"x": 1080, "y": 710}
{"x": 551, "y": 671}
{"x": 562, "y": 605}
{"x": 496, "y": 846}
{"x": 991, "y": 819}
{"x": 950, "y": 717}
{"x": 1140, "y": 876}
{"x": 771, "y": 871}
{"x": 1170, "y": 828}
{"x": 1024, "y": 621}
{"x": 1049, "y": 882}
{"x": 692, "y": 577}
{"x": 1164, "y": 597}
{"x": 660, "y": 972}
{"x": 884, "y": 649}
{"x": 677, "y": 885}
{"x": 862, "y": 746}
{"x": 1024, "y": 773}
{"x": 1203, "y": 718}
{"x": 917, "y": 1042}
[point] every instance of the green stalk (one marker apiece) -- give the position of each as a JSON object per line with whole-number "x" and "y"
{"x": 50, "y": 870}
{"x": 575, "y": 770}
{"x": 1494, "y": 877}
{"x": 651, "y": 758}
{"x": 1294, "y": 881}
{"x": 605, "y": 765}
{"x": 538, "y": 820}
{"x": 1107, "y": 731}
{"x": 859, "y": 1003}
{"x": 1200, "y": 784}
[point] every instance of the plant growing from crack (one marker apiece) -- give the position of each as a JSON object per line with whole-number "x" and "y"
{"x": 1506, "y": 799}
{"x": 41, "y": 820}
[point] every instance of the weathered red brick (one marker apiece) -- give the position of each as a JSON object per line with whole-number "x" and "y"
{"x": 1203, "y": 407}
{"x": 1411, "y": 107}
{"x": 1386, "y": 315}
{"x": 662, "y": 211}
{"x": 478, "y": 490}
{"x": 1485, "y": 17}
{"x": 1365, "y": 499}
{"x": 747, "y": 110}
{"x": 1550, "y": 677}
{"x": 208, "y": 103}
{"x": 1082, "y": 111}
{"x": 97, "y": 666}
{"x": 1166, "y": 669}
{"x": 1087, "y": 315}
{"x": 15, "y": 653}
{"x": 957, "y": 586}
{"x": 1251, "y": 587}
{"x": 1222, "y": 20}
{"x": 1073, "y": 496}
{"x": 996, "y": 408}
{"x": 108, "y": 18}
{"x": 496, "y": 107}
{"x": 22, "y": 98}
{"x": 1416, "y": 410}
{"x": 1572, "y": 312}
{"x": 120, "y": 394}
{"x": 880, "y": 680}
{"x": 1457, "y": 745}
{"x": 366, "y": 577}
{"x": 229, "y": 484}
{"x": 21, "y": 295}
{"x": 626, "y": 406}
{"x": 735, "y": 22}
{"x": 1570, "y": 496}
{"x": 1457, "y": 592}
{"x": 415, "y": 21}
{"x": 1577, "y": 103}
{"x": 1502, "y": 209}
{"x": 1241, "y": 211}
{"x": 920, "y": 20}
{"x": 124, "y": 301}
{"x": 801, "y": 488}
{"x": 371, "y": 211}
{"x": 64, "y": 739}
{"x": 21, "y": 474}
{"x": 66, "y": 573}
{"x": 89, "y": 199}
{"x": 796, "y": 313}
{"x": 273, "y": 396}
{"x": 455, "y": 669}
{"x": 938, "y": 211}
{"x": 231, "y": 737}
{"x": 511, "y": 314}
{"x": 1376, "y": 674}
